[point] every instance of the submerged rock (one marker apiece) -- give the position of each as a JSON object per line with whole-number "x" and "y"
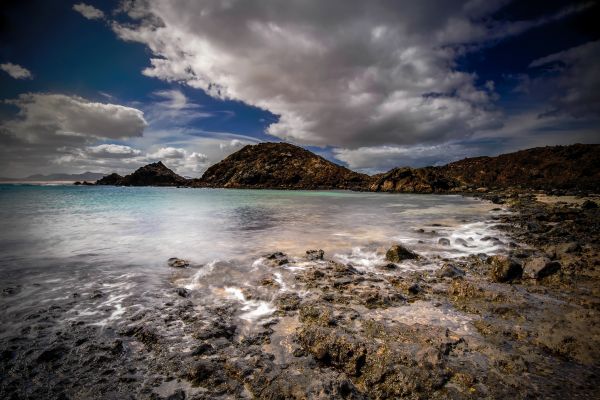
{"x": 177, "y": 262}
{"x": 444, "y": 242}
{"x": 398, "y": 253}
{"x": 504, "y": 269}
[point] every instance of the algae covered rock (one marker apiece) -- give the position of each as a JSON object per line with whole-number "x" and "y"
{"x": 398, "y": 253}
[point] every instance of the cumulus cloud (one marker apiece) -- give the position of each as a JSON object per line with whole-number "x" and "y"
{"x": 168, "y": 153}
{"x": 49, "y": 127}
{"x": 45, "y": 115}
{"x": 16, "y": 71}
{"x": 89, "y": 12}
{"x": 340, "y": 73}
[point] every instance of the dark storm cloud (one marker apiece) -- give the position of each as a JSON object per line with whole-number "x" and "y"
{"x": 342, "y": 73}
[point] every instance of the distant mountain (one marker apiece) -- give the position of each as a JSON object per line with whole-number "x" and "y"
{"x": 280, "y": 166}
{"x": 413, "y": 180}
{"x": 156, "y": 174}
{"x": 86, "y": 176}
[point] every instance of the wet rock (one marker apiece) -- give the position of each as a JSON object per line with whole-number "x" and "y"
{"x": 288, "y": 301}
{"x": 175, "y": 262}
{"x": 398, "y": 253}
{"x": 96, "y": 294}
{"x": 183, "y": 292}
{"x": 589, "y": 205}
{"x": 449, "y": 271}
{"x": 388, "y": 267}
{"x": 462, "y": 242}
{"x": 444, "y": 242}
{"x": 504, "y": 269}
{"x": 313, "y": 255}
{"x": 52, "y": 354}
{"x": 540, "y": 267}
{"x": 177, "y": 395}
{"x": 277, "y": 259}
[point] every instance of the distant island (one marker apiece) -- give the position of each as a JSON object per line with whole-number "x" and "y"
{"x": 286, "y": 166}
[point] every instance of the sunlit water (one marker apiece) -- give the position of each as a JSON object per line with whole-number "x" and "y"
{"x": 57, "y": 242}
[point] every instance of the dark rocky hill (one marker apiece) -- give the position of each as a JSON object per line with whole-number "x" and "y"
{"x": 156, "y": 174}
{"x": 280, "y": 166}
{"x": 554, "y": 167}
{"x": 413, "y": 180}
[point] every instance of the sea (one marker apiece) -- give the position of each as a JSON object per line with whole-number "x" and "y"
{"x": 100, "y": 253}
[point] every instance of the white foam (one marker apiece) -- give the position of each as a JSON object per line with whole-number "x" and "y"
{"x": 254, "y": 309}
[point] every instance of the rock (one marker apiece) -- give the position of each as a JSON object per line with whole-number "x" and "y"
{"x": 277, "y": 259}
{"x": 564, "y": 248}
{"x": 482, "y": 190}
{"x": 288, "y": 301}
{"x": 461, "y": 242}
{"x": 449, "y": 271}
{"x": 589, "y": 205}
{"x": 540, "y": 267}
{"x": 444, "y": 242}
{"x": 388, "y": 267}
{"x": 177, "y": 262}
{"x": 504, "y": 269}
{"x": 313, "y": 255}
{"x": 183, "y": 292}
{"x": 112, "y": 179}
{"x": 398, "y": 253}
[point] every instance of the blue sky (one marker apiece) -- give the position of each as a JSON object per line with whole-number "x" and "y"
{"x": 112, "y": 85}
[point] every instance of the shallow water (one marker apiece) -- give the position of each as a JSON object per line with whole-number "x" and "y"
{"x": 63, "y": 242}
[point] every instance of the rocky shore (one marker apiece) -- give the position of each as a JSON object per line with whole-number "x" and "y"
{"x": 519, "y": 325}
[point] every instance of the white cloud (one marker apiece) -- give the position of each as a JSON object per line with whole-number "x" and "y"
{"x": 113, "y": 150}
{"x": 348, "y": 73}
{"x": 44, "y": 115}
{"x": 173, "y": 108}
{"x": 16, "y": 71}
{"x": 168, "y": 153}
{"x": 89, "y": 12}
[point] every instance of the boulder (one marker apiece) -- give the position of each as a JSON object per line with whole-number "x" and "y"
{"x": 175, "y": 262}
{"x": 540, "y": 267}
{"x": 398, "y": 253}
{"x": 504, "y": 268}
{"x": 313, "y": 255}
{"x": 589, "y": 205}
{"x": 444, "y": 242}
{"x": 277, "y": 259}
{"x": 449, "y": 271}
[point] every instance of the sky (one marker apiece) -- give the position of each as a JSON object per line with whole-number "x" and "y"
{"x": 108, "y": 86}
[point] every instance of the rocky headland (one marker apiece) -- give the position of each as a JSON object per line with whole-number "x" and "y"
{"x": 561, "y": 169}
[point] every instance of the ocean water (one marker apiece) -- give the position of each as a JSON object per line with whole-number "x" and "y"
{"x": 63, "y": 242}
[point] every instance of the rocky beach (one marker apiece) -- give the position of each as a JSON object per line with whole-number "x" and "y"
{"x": 523, "y": 323}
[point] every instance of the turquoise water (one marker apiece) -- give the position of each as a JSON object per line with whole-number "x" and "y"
{"x": 145, "y": 226}
{"x": 57, "y": 242}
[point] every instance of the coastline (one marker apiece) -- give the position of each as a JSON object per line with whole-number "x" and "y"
{"x": 340, "y": 331}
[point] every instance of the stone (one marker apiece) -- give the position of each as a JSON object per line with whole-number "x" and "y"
{"x": 277, "y": 259}
{"x": 461, "y": 241}
{"x": 175, "y": 262}
{"x": 399, "y": 253}
{"x": 540, "y": 267}
{"x": 504, "y": 268}
{"x": 449, "y": 271}
{"x": 314, "y": 255}
{"x": 589, "y": 205}
{"x": 444, "y": 242}
{"x": 183, "y": 292}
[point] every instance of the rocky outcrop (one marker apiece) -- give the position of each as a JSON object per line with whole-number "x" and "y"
{"x": 156, "y": 174}
{"x": 280, "y": 166}
{"x": 553, "y": 167}
{"x": 411, "y": 180}
{"x": 112, "y": 179}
